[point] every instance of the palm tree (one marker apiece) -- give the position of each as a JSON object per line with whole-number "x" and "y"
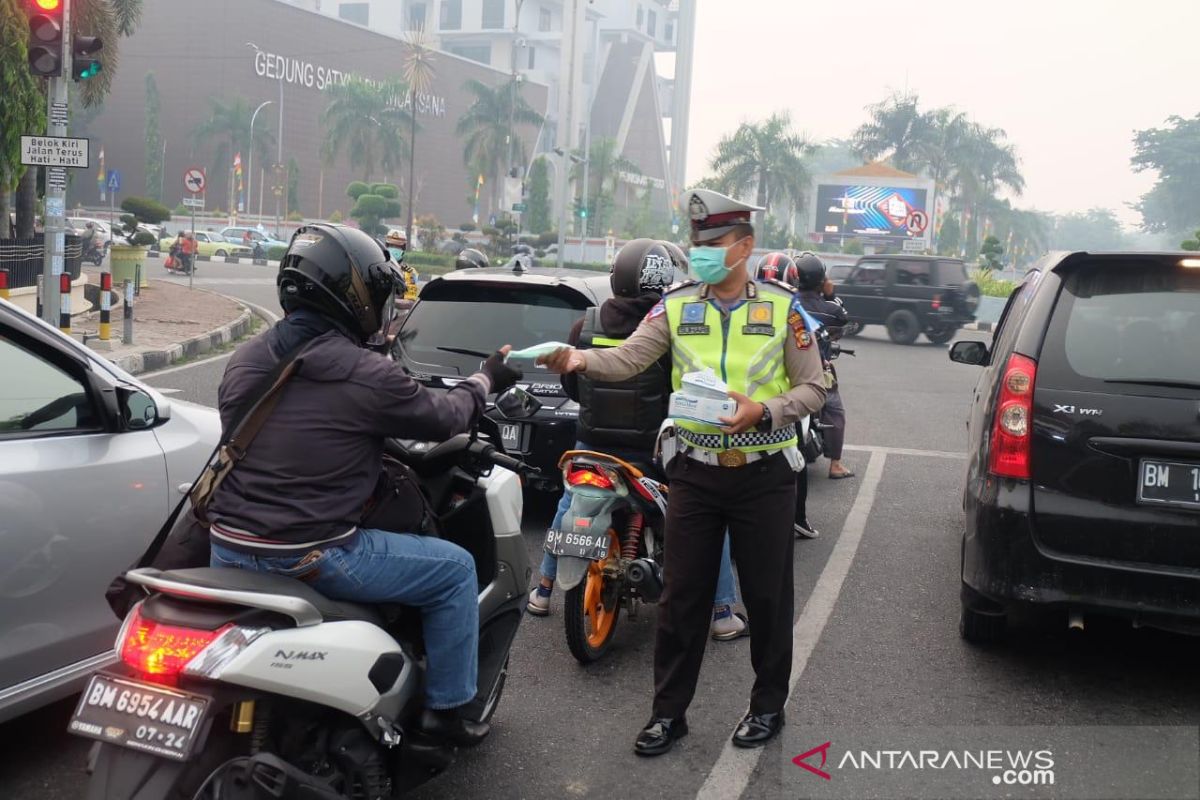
{"x": 897, "y": 130}
{"x": 227, "y": 129}
{"x": 486, "y": 126}
{"x": 767, "y": 157}
{"x": 109, "y": 20}
{"x": 365, "y": 118}
{"x": 605, "y": 165}
{"x": 984, "y": 164}
{"x": 418, "y": 73}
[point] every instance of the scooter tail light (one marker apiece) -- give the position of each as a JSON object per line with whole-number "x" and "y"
{"x": 582, "y": 476}
{"x": 1011, "y": 445}
{"x": 231, "y": 642}
{"x": 159, "y": 651}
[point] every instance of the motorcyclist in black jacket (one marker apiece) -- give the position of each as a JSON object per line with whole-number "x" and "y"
{"x": 818, "y": 297}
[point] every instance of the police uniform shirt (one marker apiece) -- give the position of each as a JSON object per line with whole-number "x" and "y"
{"x": 652, "y": 339}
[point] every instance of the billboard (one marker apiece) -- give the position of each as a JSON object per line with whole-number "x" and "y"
{"x": 887, "y": 211}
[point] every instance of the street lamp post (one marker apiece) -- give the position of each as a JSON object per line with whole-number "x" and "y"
{"x": 250, "y": 164}
{"x": 279, "y": 143}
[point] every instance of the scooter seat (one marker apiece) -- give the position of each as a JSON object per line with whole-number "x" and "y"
{"x": 243, "y": 580}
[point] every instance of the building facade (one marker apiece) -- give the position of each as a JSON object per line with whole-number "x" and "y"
{"x": 286, "y": 55}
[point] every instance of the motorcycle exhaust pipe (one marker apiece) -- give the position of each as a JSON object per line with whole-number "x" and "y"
{"x": 645, "y": 575}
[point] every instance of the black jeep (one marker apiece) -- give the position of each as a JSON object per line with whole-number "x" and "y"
{"x": 911, "y": 295}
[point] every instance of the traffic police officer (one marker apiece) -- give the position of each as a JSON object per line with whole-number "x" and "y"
{"x": 739, "y": 476}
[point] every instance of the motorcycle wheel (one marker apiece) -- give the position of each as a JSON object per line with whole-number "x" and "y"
{"x": 590, "y": 624}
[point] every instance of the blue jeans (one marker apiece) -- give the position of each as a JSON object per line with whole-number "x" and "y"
{"x": 726, "y": 588}
{"x": 382, "y": 567}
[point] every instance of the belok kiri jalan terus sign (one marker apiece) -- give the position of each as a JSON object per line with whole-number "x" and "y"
{"x": 299, "y": 72}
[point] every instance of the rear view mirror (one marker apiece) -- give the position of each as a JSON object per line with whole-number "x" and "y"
{"x": 974, "y": 353}
{"x": 517, "y": 403}
{"x": 138, "y": 409}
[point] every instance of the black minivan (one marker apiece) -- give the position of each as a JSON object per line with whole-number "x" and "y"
{"x": 1083, "y": 481}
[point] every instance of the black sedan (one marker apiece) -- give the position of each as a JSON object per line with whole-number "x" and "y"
{"x": 469, "y": 312}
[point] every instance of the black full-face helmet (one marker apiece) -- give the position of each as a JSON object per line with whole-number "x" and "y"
{"x": 812, "y": 271}
{"x": 642, "y": 265}
{"x": 470, "y": 258}
{"x": 341, "y": 273}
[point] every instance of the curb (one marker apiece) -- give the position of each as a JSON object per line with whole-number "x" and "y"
{"x": 982, "y": 327}
{"x": 137, "y": 363}
{"x": 258, "y": 262}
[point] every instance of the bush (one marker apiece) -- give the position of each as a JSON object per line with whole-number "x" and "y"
{"x": 336, "y": 217}
{"x": 357, "y": 189}
{"x": 275, "y": 252}
{"x": 387, "y": 190}
{"x": 147, "y": 211}
{"x": 992, "y": 286}
{"x": 295, "y": 216}
{"x": 419, "y": 258}
{"x": 466, "y": 227}
{"x": 143, "y": 239}
{"x": 853, "y": 248}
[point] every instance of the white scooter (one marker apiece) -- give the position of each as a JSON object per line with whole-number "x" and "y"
{"x": 235, "y": 684}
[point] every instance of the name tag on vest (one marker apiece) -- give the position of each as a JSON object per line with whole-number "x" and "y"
{"x": 758, "y": 330}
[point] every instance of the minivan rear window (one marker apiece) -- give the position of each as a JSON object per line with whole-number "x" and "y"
{"x": 482, "y": 317}
{"x": 1126, "y": 322}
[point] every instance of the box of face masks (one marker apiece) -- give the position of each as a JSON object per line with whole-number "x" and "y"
{"x": 703, "y": 398}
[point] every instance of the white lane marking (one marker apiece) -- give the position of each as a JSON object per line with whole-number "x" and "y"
{"x": 731, "y": 773}
{"x": 903, "y": 451}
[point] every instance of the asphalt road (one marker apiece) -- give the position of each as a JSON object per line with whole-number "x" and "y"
{"x": 876, "y": 640}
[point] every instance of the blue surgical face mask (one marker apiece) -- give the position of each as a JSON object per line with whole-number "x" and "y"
{"x": 708, "y": 263}
{"x": 397, "y": 254}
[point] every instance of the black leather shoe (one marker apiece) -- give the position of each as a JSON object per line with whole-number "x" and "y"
{"x": 659, "y": 735}
{"x": 755, "y": 730}
{"x": 450, "y": 726}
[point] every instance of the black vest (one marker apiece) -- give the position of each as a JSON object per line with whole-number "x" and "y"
{"x": 623, "y": 413}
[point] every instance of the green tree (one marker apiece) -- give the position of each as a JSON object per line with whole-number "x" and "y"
{"x": 767, "y": 158}
{"x": 293, "y": 186}
{"x": 1096, "y": 229}
{"x": 227, "y": 132}
{"x": 949, "y": 238}
{"x": 154, "y": 143}
{"x": 604, "y": 168}
{"x": 990, "y": 253}
{"x": 23, "y": 110}
{"x": 896, "y": 130}
{"x": 984, "y": 164}
{"x": 1192, "y": 244}
{"x": 1173, "y": 203}
{"x": 364, "y": 120}
{"x": 373, "y": 204}
{"x": 539, "y": 197}
{"x": 493, "y": 114}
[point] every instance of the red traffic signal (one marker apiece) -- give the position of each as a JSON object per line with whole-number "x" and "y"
{"x": 46, "y": 38}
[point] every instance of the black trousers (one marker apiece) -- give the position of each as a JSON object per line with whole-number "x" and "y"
{"x": 756, "y": 503}
{"x": 802, "y": 496}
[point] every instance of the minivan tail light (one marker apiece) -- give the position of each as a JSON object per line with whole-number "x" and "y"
{"x": 1008, "y": 456}
{"x": 937, "y": 302}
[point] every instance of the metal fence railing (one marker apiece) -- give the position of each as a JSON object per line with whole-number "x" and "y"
{"x": 23, "y": 259}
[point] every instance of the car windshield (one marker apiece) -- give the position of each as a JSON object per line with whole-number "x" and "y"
{"x": 1129, "y": 322}
{"x": 499, "y": 315}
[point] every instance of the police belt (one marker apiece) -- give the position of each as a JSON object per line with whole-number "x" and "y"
{"x": 725, "y": 450}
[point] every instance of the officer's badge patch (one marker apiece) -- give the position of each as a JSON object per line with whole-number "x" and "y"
{"x": 693, "y": 313}
{"x": 803, "y": 339}
{"x": 697, "y": 209}
{"x": 795, "y": 319}
{"x": 760, "y": 320}
{"x": 760, "y": 313}
{"x": 799, "y": 330}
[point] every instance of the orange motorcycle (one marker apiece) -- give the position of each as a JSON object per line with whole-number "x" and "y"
{"x": 609, "y": 547}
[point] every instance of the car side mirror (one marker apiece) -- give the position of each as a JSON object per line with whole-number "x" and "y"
{"x": 974, "y": 353}
{"x": 517, "y": 403}
{"x": 138, "y": 409}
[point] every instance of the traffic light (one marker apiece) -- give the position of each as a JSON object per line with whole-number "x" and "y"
{"x": 46, "y": 37}
{"x": 84, "y": 67}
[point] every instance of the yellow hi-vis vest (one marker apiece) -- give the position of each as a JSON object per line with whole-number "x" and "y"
{"x": 744, "y": 349}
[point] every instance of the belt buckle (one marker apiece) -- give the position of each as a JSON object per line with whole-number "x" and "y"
{"x": 731, "y": 458}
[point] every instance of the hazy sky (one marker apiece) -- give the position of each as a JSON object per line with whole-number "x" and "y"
{"x": 1069, "y": 80}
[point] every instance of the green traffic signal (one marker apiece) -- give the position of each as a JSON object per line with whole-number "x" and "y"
{"x": 86, "y": 69}
{"x": 81, "y": 48}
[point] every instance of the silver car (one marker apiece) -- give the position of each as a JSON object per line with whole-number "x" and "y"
{"x": 91, "y": 462}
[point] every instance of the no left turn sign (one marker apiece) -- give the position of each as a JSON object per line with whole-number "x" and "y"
{"x": 193, "y": 180}
{"x": 917, "y": 221}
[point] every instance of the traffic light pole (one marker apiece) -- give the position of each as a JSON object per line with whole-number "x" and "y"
{"x": 54, "y": 224}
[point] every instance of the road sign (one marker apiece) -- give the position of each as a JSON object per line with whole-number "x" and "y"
{"x": 519, "y": 208}
{"x": 54, "y": 151}
{"x": 917, "y": 221}
{"x": 193, "y": 180}
{"x": 914, "y": 245}
{"x": 194, "y": 202}
{"x": 56, "y": 177}
{"x": 58, "y": 114}
{"x": 113, "y": 181}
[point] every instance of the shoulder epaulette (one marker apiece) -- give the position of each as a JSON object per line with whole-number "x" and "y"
{"x": 679, "y": 286}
